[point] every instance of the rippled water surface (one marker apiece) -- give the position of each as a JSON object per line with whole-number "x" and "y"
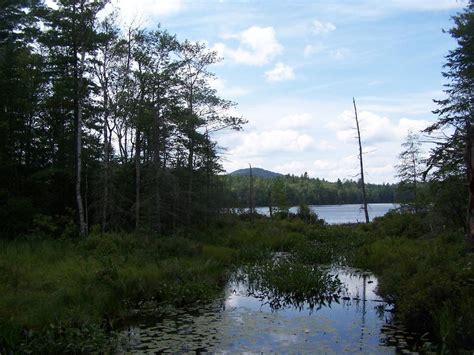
{"x": 244, "y": 320}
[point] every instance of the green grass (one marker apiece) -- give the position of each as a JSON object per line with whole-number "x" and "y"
{"x": 61, "y": 295}
{"x": 71, "y": 295}
{"x": 285, "y": 282}
{"x": 428, "y": 276}
{"x": 89, "y": 286}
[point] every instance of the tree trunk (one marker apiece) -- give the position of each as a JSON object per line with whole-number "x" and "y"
{"x": 190, "y": 181}
{"x": 470, "y": 174}
{"x": 364, "y": 195}
{"x": 80, "y": 206}
{"x": 137, "y": 179}
{"x": 251, "y": 194}
{"x": 270, "y": 208}
{"x": 208, "y": 177}
{"x": 78, "y": 72}
{"x": 157, "y": 168}
{"x": 415, "y": 192}
{"x": 105, "y": 201}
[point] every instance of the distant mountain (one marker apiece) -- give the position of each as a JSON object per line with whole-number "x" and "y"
{"x": 259, "y": 172}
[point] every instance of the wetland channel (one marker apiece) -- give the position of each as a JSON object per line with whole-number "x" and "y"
{"x": 258, "y": 315}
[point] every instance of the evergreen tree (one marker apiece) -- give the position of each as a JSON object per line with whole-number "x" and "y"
{"x": 410, "y": 168}
{"x": 452, "y": 160}
{"x": 23, "y": 89}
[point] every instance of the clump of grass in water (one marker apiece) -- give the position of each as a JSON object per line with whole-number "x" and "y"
{"x": 284, "y": 283}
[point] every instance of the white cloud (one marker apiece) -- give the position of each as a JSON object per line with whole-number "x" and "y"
{"x": 311, "y": 49}
{"x": 293, "y": 167}
{"x": 374, "y": 128}
{"x": 419, "y": 104}
{"x": 324, "y": 145}
{"x": 377, "y": 8}
{"x": 52, "y": 4}
{"x": 322, "y": 27}
{"x": 221, "y": 86}
{"x": 144, "y": 10}
{"x": 340, "y": 53}
{"x": 333, "y": 169}
{"x": 424, "y": 5}
{"x": 294, "y": 136}
{"x": 295, "y": 121}
{"x": 375, "y": 82}
{"x": 376, "y": 168}
{"x": 257, "y": 143}
{"x": 257, "y": 46}
{"x": 281, "y": 72}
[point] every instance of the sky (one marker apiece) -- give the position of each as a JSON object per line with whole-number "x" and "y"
{"x": 294, "y": 66}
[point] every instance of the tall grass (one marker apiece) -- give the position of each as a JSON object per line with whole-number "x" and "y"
{"x": 429, "y": 278}
{"x": 67, "y": 295}
{"x": 70, "y": 295}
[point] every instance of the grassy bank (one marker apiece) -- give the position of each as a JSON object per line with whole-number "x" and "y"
{"x": 71, "y": 295}
{"x": 59, "y": 295}
{"x": 428, "y": 276}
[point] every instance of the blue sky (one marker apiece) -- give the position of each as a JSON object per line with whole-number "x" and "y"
{"x": 294, "y": 66}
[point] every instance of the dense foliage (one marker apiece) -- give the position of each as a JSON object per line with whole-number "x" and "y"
{"x": 49, "y": 303}
{"x": 451, "y": 161}
{"x": 290, "y": 190}
{"x": 428, "y": 276}
{"x": 101, "y": 125}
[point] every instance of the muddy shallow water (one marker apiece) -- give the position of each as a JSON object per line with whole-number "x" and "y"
{"x": 245, "y": 321}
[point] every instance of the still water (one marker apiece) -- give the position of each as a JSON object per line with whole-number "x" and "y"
{"x": 244, "y": 320}
{"x": 336, "y": 214}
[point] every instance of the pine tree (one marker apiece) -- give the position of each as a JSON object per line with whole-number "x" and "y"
{"x": 410, "y": 168}
{"x": 453, "y": 158}
{"x": 72, "y": 41}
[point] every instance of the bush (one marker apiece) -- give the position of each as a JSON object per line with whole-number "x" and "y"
{"x": 16, "y": 216}
{"x": 308, "y": 216}
{"x": 429, "y": 281}
{"x": 400, "y": 224}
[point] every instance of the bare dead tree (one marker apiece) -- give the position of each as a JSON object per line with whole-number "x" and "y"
{"x": 364, "y": 195}
{"x": 79, "y": 66}
{"x": 270, "y": 208}
{"x": 251, "y": 193}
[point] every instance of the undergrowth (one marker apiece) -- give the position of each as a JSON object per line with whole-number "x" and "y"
{"x": 71, "y": 295}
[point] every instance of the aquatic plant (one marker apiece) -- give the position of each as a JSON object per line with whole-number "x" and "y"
{"x": 282, "y": 283}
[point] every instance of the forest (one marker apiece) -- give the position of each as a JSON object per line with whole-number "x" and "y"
{"x": 291, "y": 190}
{"x": 102, "y": 126}
{"x": 114, "y": 202}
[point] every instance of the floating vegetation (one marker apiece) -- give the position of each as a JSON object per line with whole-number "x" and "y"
{"x": 263, "y": 310}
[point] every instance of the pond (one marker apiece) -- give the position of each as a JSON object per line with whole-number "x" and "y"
{"x": 254, "y": 316}
{"x": 349, "y": 213}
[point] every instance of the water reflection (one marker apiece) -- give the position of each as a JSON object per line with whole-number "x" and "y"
{"x": 281, "y": 283}
{"x": 245, "y": 320}
{"x": 352, "y": 324}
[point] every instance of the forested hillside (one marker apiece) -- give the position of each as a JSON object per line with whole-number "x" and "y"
{"x": 290, "y": 190}
{"x": 258, "y": 172}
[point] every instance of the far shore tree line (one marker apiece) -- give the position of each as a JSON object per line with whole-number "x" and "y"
{"x": 285, "y": 191}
